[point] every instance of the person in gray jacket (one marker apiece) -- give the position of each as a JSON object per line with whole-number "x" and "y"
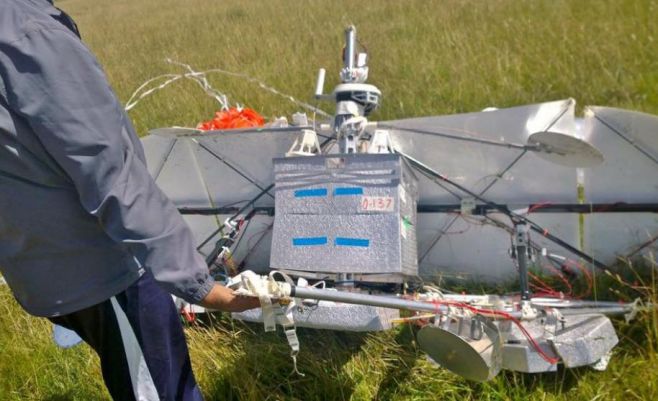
{"x": 87, "y": 239}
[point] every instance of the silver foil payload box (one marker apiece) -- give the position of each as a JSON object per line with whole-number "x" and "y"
{"x": 344, "y": 184}
{"x": 345, "y": 214}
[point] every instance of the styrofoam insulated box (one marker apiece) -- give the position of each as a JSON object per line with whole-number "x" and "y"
{"x": 345, "y": 214}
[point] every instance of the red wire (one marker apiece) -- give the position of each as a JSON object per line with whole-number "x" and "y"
{"x": 543, "y": 285}
{"x": 590, "y": 280}
{"x": 542, "y": 292}
{"x": 586, "y": 274}
{"x": 561, "y": 277}
{"x": 537, "y": 206}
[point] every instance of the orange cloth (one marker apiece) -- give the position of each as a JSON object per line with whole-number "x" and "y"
{"x": 233, "y": 118}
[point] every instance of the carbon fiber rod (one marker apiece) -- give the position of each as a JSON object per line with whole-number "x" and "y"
{"x": 514, "y": 216}
{"x": 617, "y": 207}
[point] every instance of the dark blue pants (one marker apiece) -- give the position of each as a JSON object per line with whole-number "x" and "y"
{"x": 140, "y": 341}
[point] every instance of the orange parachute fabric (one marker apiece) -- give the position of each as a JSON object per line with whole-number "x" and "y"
{"x": 233, "y": 118}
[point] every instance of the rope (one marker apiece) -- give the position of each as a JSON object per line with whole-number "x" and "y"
{"x": 200, "y": 78}
{"x": 267, "y": 289}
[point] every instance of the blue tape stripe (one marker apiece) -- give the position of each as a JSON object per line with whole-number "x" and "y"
{"x": 340, "y": 241}
{"x": 308, "y": 241}
{"x": 348, "y": 191}
{"x": 305, "y": 193}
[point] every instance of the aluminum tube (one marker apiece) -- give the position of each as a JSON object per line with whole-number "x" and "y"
{"x": 319, "y": 85}
{"x": 611, "y": 311}
{"x": 372, "y": 300}
{"x": 350, "y": 40}
{"x": 561, "y": 303}
{"x": 398, "y": 303}
{"x": 522, "y": 259}
{"x": 366, "y": 299}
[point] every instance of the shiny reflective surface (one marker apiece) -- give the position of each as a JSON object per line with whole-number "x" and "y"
{"x": 478, "y": 360}
{"x": 565, "y": 150}
{"x": 229, "y": 168}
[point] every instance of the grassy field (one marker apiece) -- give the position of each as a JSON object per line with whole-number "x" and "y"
{"x": 429, "y": 58}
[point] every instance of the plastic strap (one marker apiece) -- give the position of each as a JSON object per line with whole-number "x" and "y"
{"x": 273, "y": 314}
{"x": 291, "y": 335}
{"x": 269, "y": 319}
{"x": 289, "y": 328}
{"x": 255, "y": 285}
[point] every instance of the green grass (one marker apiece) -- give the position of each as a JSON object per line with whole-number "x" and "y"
{"x": 428, "y": 58}
{"x": 237, "y": 361}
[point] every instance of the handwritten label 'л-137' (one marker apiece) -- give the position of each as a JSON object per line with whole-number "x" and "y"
{"x": 377, "y": 203}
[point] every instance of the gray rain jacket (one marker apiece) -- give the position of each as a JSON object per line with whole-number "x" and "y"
{"x": 80, "y": 216}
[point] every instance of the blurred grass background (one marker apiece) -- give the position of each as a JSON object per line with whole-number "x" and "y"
{"x": 428, "y": 58}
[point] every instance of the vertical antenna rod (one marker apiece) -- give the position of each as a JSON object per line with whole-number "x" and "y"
{"x": 350, "y": 47}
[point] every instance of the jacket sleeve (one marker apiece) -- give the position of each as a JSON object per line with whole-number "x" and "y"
{"x": 57, "y": 86}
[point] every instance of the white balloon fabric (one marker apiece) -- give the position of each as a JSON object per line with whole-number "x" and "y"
{"x": 482, "y": 151}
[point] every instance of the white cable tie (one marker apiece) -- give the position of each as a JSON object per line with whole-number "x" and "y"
{"x": 283, "y": 275}
{"x": 320, "y": 284}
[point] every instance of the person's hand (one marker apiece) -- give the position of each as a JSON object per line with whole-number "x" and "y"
{"x": 226, "y": 300}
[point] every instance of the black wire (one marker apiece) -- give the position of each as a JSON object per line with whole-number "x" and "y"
{"x": 240, "y": 173}
{"x": 482, "y": 141}
{"x": 559, "y": 116}
{"x": 628, "y": 140}
{"x": 502, "y": 173}
{"x": 251, "y": 202}
{"x": 239, "y": 212}
{"x": 491, "y": 184}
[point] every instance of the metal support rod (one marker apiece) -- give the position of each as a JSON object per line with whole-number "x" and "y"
{"x": 244, "y": 208}
{"x": 583, "y": 208}
{"x": 533, "y": 226}
{"x": 508, "y": 145}
{"x": 522, "y": 259}
{"x": 366, "y": 299}
{"x": 608, "y": 311}
{"x": 350, "y": 49}
{"x": 577, "y": 303}
{"x": 319, "y": 85}
{"x": 630, "y": 141}
{"x": 480, "y": 210}
{"x": 214, "y": 211}
{"x": 239, "y": 212}
{"x": 521, "y": 253}
{"x": 604, "y": 308}
{"x": 373, "y": 300}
